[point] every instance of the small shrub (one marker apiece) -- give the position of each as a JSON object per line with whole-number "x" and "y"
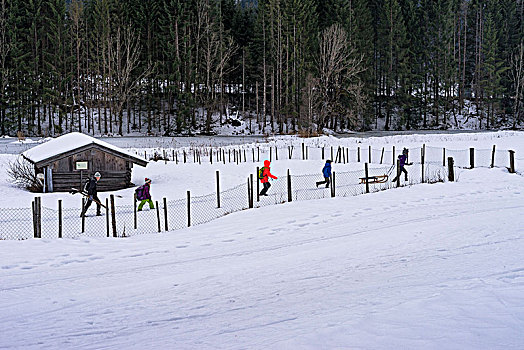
{"x": 22, "y": 174}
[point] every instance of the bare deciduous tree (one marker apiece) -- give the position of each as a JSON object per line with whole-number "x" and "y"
{"x": 338, "y": 69}
{"x": 310, "y": 97}
{"x": 517, "y": 65}
{"x": 124, "y": 55}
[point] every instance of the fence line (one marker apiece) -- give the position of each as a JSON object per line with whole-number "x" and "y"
{"x": 170, "y": 215}
{"x": 339, "y": 154}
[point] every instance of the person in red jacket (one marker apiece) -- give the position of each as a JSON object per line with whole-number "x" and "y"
{"x": 266, "y": 174}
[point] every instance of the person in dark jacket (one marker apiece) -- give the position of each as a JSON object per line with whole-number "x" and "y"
{"x": 266, "y": 174}
{"x": 326, "y": 171}
{"x": 146, "y": 195}
{"x": 403, "y": 161}
{"x": 90, "y": 189}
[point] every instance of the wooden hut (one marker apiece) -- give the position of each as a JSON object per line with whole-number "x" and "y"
{"x": 69, "y": 160}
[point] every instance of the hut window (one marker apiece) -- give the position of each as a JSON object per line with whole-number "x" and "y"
{"x": 81, "y": 165}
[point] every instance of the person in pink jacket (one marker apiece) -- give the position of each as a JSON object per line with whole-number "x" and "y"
{"x": 264, "y": 179}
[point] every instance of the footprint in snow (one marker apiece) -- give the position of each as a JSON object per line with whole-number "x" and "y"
{"x": 8, "y": 267}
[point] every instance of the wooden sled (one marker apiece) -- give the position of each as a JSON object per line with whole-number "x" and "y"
{"x": 374, "y": 179}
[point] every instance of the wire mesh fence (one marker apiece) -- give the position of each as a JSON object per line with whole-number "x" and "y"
{"x": 426, "y": 165}
{"x": 16, "y": 223}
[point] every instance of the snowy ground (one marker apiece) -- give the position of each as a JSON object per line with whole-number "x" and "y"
{"x": 424, "y": 267}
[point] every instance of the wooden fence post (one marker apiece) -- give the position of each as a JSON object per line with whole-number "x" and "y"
{"x": 113, "y": 214}
{"x": 451, "y": 171}
{"x": 33, "y": 209}
{"x": 398, "y": 173}
{"x": 303, "y": 151}
{"x": 59, "y": 218}
{"x": 332, "y": 154}
{"x": 472, "y": 157}
{"x": 38, "y": 217}
{"x": 358, "y": 154}
{"x": 444, "y": 156}
{"x": 289, "y": 194}
{"x": 107, "y": 216}
{"x": 166, "y": 227}
{"x": 382, "y": 155}
{"x": 493, "y": 157}
{"x": 188, "y": 208}
{"x": 393, "y": 154}
{"x": 251, "y": 194}
{"x": 248, "y": 193}
{"x": 83, "y": 216}
{"x": 258, "y": 154}
{"x": 322, "y": 152}
{"x": 366, "y": 174}
{"x": 422, "y": 158}
{"x": 511, "y": 161}
{"x": 39, "y": 211}
{"x": 369, "y": 154}
{"x": 333, "y": 184}
{"x": 253, "y": 154}
{"x": 224, "y": 156}
{"x": 307, "y": 152}
{"x": 211, "y": 156}
{"x": 258, "y": 185}
{"x": 134, "y": 211}
{"x": 276, "y": 153}
{"x": 218, "y": 189}
{"x": 158, "y": 217}
{"x": 270, "y": 154}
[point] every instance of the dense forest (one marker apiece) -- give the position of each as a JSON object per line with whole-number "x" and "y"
{"x": 172, "y": 67}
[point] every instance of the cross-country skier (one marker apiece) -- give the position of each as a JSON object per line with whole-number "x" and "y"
{"x": 264, "y": 175}
{"x": 90, "y": 188}
{"x": 403, "y": 159}
{"x": 145, "y": 195}
{"x": 326, "y": 171}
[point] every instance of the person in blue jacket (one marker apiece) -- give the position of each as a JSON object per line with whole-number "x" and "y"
{"x": 326, "y": 172}
{"x": 403, "y": 161}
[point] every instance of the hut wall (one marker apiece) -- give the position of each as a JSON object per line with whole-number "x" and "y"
{"x": 115, "y": 171}
{"x": 110, "y": 181}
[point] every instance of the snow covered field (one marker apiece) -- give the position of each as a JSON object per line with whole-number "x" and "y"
{"x": 423, "y": 267}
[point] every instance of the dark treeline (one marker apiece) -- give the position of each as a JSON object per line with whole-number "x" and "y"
{"x": 167, "y": 66}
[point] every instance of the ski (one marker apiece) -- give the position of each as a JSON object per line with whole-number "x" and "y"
{"x": 83, "y": 193}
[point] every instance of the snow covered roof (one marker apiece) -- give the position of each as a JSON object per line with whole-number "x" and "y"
{"x": 70, "y": 142}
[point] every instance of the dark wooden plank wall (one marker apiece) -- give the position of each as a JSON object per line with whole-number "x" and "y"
{"x": 110, "y": 181}
{"x": 97, "y": 161}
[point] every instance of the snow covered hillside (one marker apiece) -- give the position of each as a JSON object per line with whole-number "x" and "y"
{"x": 431, "y": 266}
